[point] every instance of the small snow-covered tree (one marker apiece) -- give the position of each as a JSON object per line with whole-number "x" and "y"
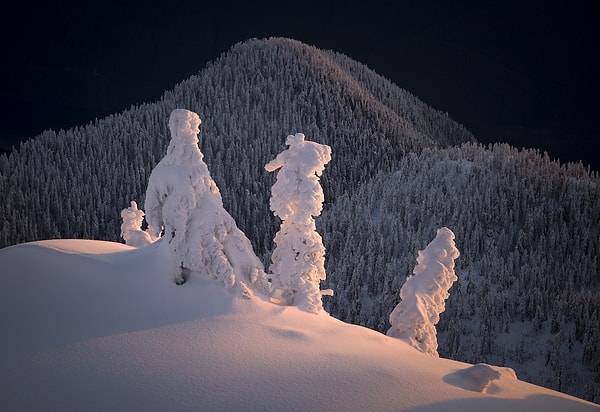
{"x": 423, "y": 295}
{"x": 298, "y": 261}
{"x": 184, "y": 203}
{"x": 131, "y": 228}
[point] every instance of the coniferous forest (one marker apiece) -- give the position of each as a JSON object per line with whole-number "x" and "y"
{"x": 528, "y": 294}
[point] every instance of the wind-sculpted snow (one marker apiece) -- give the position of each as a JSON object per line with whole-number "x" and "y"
{"x": 479, "y": 378}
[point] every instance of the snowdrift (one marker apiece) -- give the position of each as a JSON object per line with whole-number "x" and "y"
{"x": 90, "y": 325}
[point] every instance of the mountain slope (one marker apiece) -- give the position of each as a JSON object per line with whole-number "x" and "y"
{"x": 528, "y": 294}
{"x": 74, "y": 183}
{"x": 126, "y": 337}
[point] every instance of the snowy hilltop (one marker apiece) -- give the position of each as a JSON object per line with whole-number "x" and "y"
{"x": 97, "y": 326}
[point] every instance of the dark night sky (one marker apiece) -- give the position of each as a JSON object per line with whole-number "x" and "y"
{"x": 521, "y": 72}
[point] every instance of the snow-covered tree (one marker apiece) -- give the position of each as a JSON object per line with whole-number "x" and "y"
{"x": 131, "y": 228}
{"x": 424, "y": 294}
{"x": 184, "y": 203}
{"x": 296, "y": 198}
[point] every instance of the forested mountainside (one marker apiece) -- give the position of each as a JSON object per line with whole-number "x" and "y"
{"x": 387, "y": 146}
{"x": 74, "y": 183}
{"x": 528, "y": 294}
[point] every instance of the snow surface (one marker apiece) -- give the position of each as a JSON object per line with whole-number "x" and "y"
{"x": 97, "y": 326}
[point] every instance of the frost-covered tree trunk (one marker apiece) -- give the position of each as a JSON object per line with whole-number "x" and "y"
{"x": 423, "y": 295}
{"x": 297, "y": 197}
{"x": 184, "y": 203}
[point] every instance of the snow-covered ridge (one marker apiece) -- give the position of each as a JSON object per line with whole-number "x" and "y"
{"x": 99, "y": 327}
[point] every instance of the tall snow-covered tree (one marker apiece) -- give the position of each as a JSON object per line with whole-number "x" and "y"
{"x": 424, "y": 294}
{"x": 297, "y": 197}
{"x": 184, "y": 203}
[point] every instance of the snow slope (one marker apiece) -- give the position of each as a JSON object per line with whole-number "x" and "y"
{"x": 90, "y": 325}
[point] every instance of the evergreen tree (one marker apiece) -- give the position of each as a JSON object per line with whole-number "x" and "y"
{"x": 424, "y": 294}
{"x": 297, "y": 197}
{"x": 184, "y": 204}
{"x": 131, "y": 228}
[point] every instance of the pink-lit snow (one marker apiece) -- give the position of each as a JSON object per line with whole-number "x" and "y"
{"x": 89, "y": 325}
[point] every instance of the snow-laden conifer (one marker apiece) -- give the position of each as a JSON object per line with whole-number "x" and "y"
{"x": 423, "y": 295}
{"x": 131, "y": 228}
{"x": 296, "y": 198}
{"x": 184, "y": 203}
